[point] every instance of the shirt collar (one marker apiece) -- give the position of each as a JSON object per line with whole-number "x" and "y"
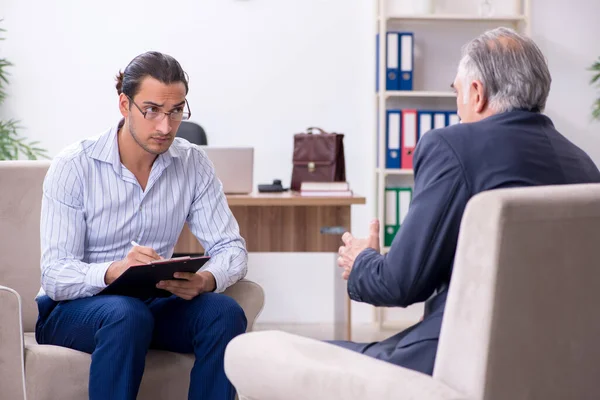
{"x": 106, "y": 149}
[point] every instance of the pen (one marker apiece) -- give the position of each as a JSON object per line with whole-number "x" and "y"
{"x": 134, "y": 243}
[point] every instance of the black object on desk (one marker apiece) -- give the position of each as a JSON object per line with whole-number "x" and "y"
{"x": 274, "y": 187}
{"x": 140, "y": 281}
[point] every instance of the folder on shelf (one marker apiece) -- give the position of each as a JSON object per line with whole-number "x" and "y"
{"x": 377, "y": 63}
{"x": 391, "y": 216}
{"x": 404, "y": 199}
{"x": 391, "y": 60}
{"x": 397, "y": 204}
{"x": 453, "y": 118}
{"x": 392, "y": 159}
{"x": 378, "y": 161}
{"x": 409, "y": 138}
{"x": 406, "y": 61}
{"x": 439, "y": 119}
{"x": 425, "y": 122}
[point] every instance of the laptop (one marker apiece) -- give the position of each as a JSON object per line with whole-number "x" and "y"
{"x": 234, "y": 167}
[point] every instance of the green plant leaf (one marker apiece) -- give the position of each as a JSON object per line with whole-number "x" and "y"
{"x": 595, "y": 80}
{"x": 13, "y": 145}
{"x": 596, "y": 110}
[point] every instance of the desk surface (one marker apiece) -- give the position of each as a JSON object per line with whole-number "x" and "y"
{"x": 283, "y": 222}
{"x": 291, "y": 199}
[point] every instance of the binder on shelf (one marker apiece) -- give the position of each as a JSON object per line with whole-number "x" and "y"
{"x": 425, "y": 122}
{"x": 393, "y": 127}
{"x": 391, "y": 60}
{"x": 377, "y": 158}
{"x": 435, "y": 119}
{"x": 406, "y": 61}
{"x": 453, "y": 118}
{"x": 409, "y": 138}
{"x": 377, "y": 63}
{"x": 391, "y": 216}
{"x": 404, "y": 199}
{"x": 439, "y": 119}
{"x": 397, "y": 204}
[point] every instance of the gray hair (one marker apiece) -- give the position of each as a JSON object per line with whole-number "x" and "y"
{"x": 511, "y": 67}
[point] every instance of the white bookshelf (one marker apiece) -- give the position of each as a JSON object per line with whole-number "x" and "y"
{"x": 457, "y": 18}
{"x": 390, "y": 171}
{"x": 418, "y": 93}
{"x": 425, "y": 95}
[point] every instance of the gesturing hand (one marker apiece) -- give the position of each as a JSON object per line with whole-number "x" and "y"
{"x": 353, "y": 247}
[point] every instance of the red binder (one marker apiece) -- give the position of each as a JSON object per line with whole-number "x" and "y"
{"x": 409, "y": 137}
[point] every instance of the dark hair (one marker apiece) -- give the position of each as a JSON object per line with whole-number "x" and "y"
{"x": 161, "y": 67}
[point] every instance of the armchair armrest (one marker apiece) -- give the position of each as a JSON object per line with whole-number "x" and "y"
{"x": 273, "y": 365}
{"x": 12, "y": 364}
{"x": 250, "y": 296}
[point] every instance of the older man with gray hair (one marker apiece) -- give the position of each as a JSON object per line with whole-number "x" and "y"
{"x": 504, "y": 141}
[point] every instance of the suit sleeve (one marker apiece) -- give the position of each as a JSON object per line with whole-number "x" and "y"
{"x": 422, "y": 253}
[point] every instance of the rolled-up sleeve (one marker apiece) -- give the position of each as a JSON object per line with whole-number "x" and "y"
{"x": 62, "y": 234}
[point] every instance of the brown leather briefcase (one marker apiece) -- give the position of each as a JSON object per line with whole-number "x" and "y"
{"x": 318, "y": 157}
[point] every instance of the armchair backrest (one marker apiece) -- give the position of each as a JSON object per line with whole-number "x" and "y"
{"x": 522, "y": 319}
{"x": 20, "y": 208}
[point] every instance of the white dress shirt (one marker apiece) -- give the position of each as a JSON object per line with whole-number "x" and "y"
{"x": 93, "y": 207}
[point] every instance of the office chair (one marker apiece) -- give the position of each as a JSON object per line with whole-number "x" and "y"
{"x": 192, "y": 132}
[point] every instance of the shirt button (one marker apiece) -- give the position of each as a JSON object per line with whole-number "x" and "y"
{"x": 140, "y": 208}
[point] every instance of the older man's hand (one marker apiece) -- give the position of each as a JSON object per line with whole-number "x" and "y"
{"x": 353, "y": 247}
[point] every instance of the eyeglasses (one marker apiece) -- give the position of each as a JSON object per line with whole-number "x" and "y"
{"x": 175, "y": 115}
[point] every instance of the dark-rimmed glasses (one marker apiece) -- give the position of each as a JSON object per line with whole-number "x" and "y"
{"x": 175, "y": 115}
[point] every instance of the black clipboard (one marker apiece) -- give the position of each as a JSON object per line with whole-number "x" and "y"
{"x": 140, "y": 281}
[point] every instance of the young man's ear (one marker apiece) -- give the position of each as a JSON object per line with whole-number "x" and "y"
{"x": 124, "y": 105}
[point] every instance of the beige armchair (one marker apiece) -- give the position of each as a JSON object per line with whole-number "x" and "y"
{"x": 51, "y": 372}
{"x": 521, "y": 322}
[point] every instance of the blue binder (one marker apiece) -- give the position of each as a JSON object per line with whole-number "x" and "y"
{"x": 377, "y": 63}
{"x": 406, "y": 51}
{"x": 452, "y": 118}
{"x": 392, "y": 61}
{"x": 393, "y": 129}
{"x": 424, "y": 122}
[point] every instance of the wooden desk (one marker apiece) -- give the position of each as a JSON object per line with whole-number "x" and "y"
{"x": 288, "y": 222}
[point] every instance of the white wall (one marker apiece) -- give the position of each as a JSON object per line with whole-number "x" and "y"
{"x": 569, "y": 34}
{"x": 260, "y": 71}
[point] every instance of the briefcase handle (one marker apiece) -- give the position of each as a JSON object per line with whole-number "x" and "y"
{"x": 310, "y": 130}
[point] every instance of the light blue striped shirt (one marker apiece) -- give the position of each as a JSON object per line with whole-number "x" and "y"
{"x": 93, "y": 207}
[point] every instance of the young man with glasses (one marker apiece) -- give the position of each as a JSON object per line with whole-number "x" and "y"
{"x": 137, "y": 183}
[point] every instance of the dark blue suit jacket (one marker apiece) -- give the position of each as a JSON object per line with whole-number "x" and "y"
{"x": 517, "y": 148}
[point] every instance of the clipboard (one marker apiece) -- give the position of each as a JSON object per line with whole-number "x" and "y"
{"x": 140, "y": 280}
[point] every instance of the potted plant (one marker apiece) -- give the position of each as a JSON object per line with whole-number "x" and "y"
{"x": 12, "y": 145}
{"x": 595, "y": 68}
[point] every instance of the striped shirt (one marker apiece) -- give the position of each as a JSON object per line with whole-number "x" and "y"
{"x": 93, "y": 207}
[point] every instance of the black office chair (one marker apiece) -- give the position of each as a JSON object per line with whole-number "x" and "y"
{"x": 192, "y": 132}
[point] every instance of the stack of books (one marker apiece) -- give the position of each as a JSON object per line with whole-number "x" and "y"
{"x": 326, "y": 189}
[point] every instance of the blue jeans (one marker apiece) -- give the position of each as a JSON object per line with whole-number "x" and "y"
{"x": 118, "y": 331}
